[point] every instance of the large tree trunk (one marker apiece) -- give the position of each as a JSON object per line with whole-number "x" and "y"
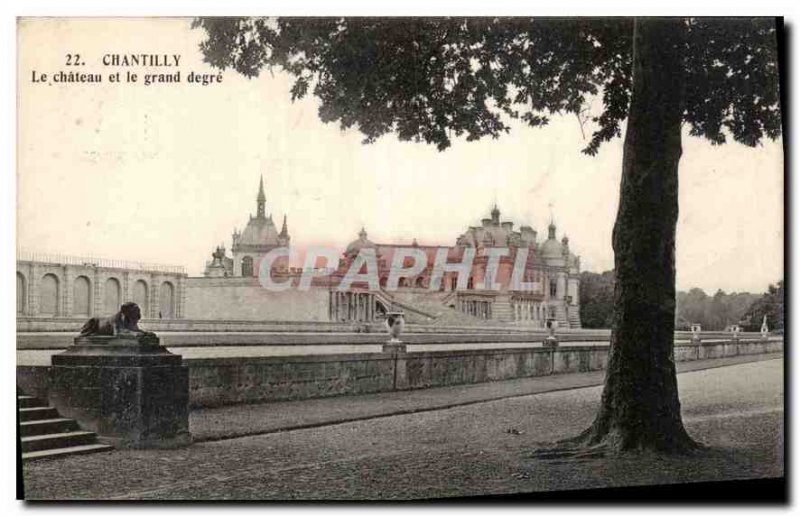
{"x": 640, "y": 407}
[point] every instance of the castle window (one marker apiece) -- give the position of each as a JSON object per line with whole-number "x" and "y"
{"x": 247, "y": 266}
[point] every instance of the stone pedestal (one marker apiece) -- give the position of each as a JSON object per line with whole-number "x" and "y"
{"x": 398, "y": 351}
{"x": 394, "y": 347}
{"x": 127, "y": 388}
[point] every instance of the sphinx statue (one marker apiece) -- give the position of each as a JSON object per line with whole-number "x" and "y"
{"x": 124, "y": 322}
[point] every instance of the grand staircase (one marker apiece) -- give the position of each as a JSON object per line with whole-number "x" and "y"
{"x": 45, "y": 434}
{"x": 574, "y": 317}
{"x": 501, "y": 311}
{"x": 561, "y": 316}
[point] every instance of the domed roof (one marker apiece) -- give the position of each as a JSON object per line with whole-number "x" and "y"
{"x": 259, "y": 231}
{"x": 357, "y": 245}
{"x": 551, "y": 248}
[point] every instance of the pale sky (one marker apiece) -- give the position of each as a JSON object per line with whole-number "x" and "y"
{"x": 163, "y": 173}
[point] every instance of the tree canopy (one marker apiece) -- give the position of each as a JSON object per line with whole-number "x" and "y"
{"x": 770, "y": 304}
{"x": 596, "y": 294}
{"x": 432, "y": 79}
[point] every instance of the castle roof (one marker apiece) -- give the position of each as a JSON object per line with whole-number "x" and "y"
{"x": 361, "y": 243}
{"x": 259, "y": 231}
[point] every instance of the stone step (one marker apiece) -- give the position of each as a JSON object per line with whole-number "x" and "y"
{"x": 63, "y": 452}
{"x": 37, "y": 413}
{"x": 34, "y": 443}
{"x": 47, "y": 426}
{"x": 574, "y": 318}
{"x": 24, "y": 401}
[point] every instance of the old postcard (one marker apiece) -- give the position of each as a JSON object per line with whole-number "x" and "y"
{"x": 417, "y": 258}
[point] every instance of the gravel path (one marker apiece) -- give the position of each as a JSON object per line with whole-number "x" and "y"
{"x": 476, "y": 449}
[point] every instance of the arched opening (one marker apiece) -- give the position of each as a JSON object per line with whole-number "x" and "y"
{"x": 22, "y": 294}
{"x": 421, "y": 282}
{"x": 81, "y": 296}
{"x": 140, "y": 296}
{"x": 111, "y": 296}
{"x": 166, "y": 300}
{"x": 48, "y": 295}
{"x": 247, "y": 266}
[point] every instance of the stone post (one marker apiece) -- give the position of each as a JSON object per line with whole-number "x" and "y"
{"x": 696, "y": 334}
{"x": 127, "y": 388}
{"x": 395, "y": 322}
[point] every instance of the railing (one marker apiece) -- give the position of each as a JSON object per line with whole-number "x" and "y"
{"x": 94, "y": 261}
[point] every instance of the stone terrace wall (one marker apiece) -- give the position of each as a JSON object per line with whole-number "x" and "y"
{"x": 227, "y": 381}
{"x": 41, "y": 340}
{"x": 216, "y": 382}
{"x": 332, "y": 334}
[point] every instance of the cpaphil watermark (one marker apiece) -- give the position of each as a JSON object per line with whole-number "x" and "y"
{"x": 498, "y": 268}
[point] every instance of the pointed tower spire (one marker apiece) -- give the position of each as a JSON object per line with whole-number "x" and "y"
{"x": 284, "y": 229}
{"x": 551, "y": 229}
{"x": 283, "y": 236}
{"x": 261, "y": 200}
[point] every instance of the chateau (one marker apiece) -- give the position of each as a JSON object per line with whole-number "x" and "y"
{"x": 259, "y": 237}
{"x": 492, "y": 275}
{"x": 550, "y": 275}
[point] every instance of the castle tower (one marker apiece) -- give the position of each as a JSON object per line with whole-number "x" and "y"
{"x": 495, "y": 216}
{"x": 261, "y": 200}
{"x": 551, "y": 230}
{"x": 283, "y": 236}
{"x": 257, "y": 238}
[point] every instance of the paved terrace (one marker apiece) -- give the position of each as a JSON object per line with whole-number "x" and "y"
{"x": 451, "y": 441}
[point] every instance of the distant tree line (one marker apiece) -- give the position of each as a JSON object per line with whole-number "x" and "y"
{"x": 769, "y": 304}
{"x": 715, "y": 312}
{"x": 596, "y": 294}
{"x": 712, "y": 312}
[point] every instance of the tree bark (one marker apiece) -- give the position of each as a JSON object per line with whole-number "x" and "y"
{"x": 640, "y": 407}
